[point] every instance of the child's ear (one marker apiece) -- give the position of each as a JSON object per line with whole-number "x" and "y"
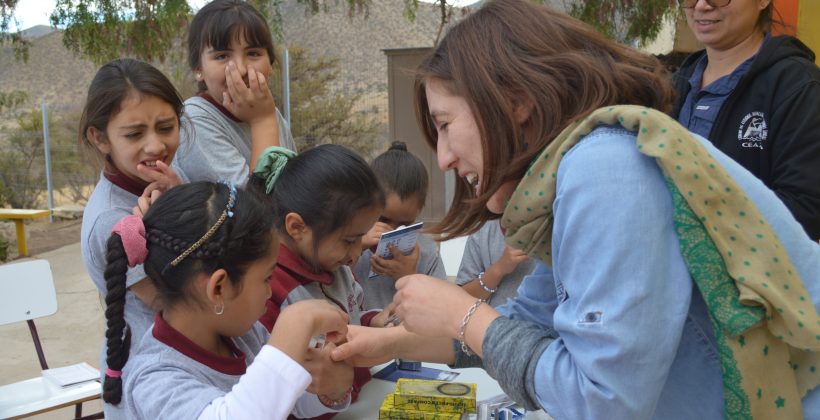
{"x": 216, "y": 287}
{"x": 100, "y": 141}
{"x": 295, "y": 226}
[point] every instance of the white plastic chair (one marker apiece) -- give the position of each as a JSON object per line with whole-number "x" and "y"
{"x": 452, "y": 251}
{"x": 28, "y": 293}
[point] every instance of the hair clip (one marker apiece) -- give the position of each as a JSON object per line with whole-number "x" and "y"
{"x": 227, "y": 213}
{"x": 231, "y": 197}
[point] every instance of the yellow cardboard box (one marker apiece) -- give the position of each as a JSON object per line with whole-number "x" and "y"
{"x": 435, "y": 396}
{"x": 388, "y": 411}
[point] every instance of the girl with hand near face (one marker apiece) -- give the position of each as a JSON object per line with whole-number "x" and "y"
{"x": 132, "y": 118}
{"x": 404, "y": 180}
{"x": 234, "y": 118}
{"x": 756, "y": 97}
{"x": 669, "y": 282}
{"x": 210, "y": 249}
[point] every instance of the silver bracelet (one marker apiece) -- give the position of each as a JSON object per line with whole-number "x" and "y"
{"x": 467, "y": 316}
{"x": 484, "y": 286}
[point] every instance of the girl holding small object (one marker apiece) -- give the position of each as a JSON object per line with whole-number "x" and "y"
{"x": 323, "y": 202}
{"x": 234, "y": 118}
{"x": 210, "y": 249}
{"x": 404, "y": 180}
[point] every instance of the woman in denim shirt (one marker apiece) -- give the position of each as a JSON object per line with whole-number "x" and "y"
{"x": 670, "y": 282}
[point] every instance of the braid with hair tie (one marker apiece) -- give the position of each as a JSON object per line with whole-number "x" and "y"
{"x": 117, "y": 334}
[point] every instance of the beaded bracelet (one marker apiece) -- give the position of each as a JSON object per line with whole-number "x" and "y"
{"x": 484, "y": 286}
{"x": 467, "y": 316}
{"x": 336, "y": 404}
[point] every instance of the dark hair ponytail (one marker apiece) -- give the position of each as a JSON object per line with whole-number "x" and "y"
{"x": 401, "y": 172}
{"x": 178, "y": 219}
{"x": 117, "y": 335}
{"x": 326, "y": 185}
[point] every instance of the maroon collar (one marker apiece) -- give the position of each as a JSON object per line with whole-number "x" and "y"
{"x": 166, "y": 334}
{"x": 299, "y": 269}
{"x": 222, "y": 109}
{"x": 119, "y": 179}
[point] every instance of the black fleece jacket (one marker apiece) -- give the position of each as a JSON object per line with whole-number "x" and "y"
{"x": 770, "y": 124}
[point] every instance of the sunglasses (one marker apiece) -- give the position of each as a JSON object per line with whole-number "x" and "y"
{"x": 690, "y": 4}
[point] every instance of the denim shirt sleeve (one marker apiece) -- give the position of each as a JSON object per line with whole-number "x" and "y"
{"x": 618, "y": 292}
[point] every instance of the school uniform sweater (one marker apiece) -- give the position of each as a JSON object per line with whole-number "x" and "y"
{"x": 170, "y": 377}
{"x": 293, "y": 280}
{"x": 218, "y": 145}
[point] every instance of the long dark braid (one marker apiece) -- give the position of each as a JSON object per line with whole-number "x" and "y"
{"x": 178, "y": 219}
{"x": 117, "y": 335}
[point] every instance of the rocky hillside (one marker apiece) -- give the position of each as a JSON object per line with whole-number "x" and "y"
{"x": 60, "y": 78}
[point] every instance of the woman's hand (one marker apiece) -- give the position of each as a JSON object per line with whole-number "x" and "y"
{"x": 397, "y": 267}
{"x": 429, "y": 306}
{"x": 330, "y": 378}
{"x": 366, "y": 346}
{"x": 251, "y": 103}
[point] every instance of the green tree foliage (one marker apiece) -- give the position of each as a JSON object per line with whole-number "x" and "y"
{"x": 22, "y": 161}
{"x": 626, "y": 20}
{"x": 106, "y": 29}
{"x": 319, "y": 115}
{"x": 11, "y": 100}
{"x": 8, "y": 37}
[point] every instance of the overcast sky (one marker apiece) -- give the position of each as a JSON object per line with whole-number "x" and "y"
{"x": 36, "y": 12}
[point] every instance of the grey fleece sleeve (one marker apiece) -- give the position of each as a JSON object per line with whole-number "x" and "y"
{"x": 511, "y": 352}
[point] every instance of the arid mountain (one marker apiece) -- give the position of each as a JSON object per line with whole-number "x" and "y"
{"x": 60, "y": 78}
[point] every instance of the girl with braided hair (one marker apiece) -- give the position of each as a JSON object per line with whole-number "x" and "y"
{"x": 210, "y": 250}
{"x": 132, "y": 119}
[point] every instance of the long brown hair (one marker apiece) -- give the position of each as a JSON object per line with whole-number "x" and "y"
{"x": 511, "y": 52}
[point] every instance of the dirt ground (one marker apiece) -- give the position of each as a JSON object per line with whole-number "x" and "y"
{"x": 42, "y": 236}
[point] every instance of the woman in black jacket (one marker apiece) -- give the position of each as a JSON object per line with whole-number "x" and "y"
{"x": 757, "y": 98}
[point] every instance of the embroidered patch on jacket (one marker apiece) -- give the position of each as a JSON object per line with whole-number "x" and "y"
{"x": 753, "y": 130}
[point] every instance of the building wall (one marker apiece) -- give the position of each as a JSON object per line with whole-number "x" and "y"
{"x": 807, "y": 28}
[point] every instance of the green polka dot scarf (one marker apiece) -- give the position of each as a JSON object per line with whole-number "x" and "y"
{"x": 767, "y": 329}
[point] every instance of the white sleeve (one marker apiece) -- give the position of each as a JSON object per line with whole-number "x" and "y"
{"x": 269, "y": 389}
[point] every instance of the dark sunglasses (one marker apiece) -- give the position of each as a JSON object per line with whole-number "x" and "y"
{"x": 690, "y": 4}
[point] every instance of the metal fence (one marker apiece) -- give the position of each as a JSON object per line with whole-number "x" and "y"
{"x": 44, "y": 165}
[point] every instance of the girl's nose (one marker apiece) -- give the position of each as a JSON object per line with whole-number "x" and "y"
{"x": 241, "y": 65}
{"x": 154, "y": 145}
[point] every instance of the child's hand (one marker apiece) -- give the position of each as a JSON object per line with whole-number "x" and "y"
{"x": 144, "y": 203}
{"x": 509, "y": 260}
{"x": 251, "y": 103}
{"x": 381, "y": 319}
{"x": 304, "y": 319}
{"x": 331, "y": 379}
{"x": 162, "y": 179}
{"x": 399, "y": 266}
{"x": 371, "y": 238}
